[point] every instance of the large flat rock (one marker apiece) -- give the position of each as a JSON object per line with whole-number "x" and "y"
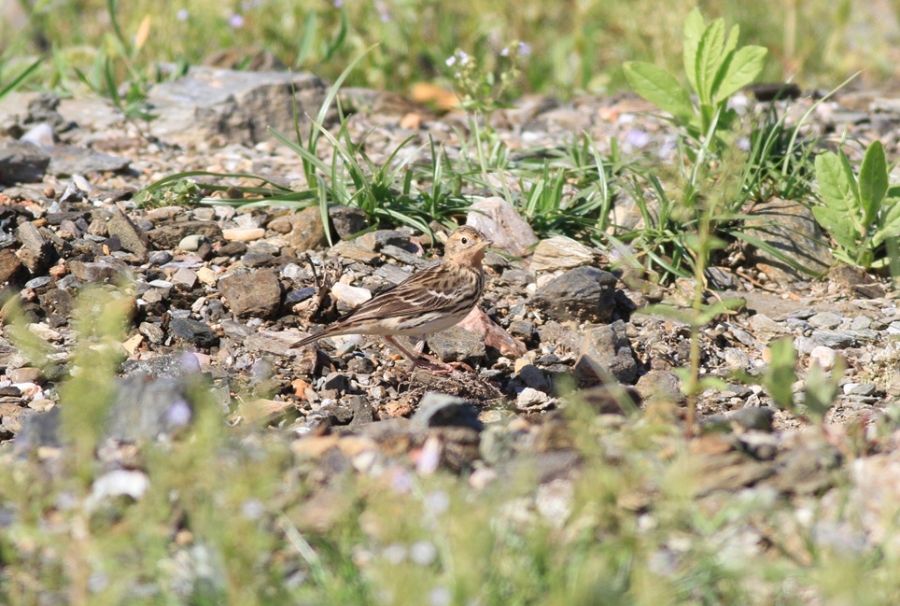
{"x": 237, "y": 105}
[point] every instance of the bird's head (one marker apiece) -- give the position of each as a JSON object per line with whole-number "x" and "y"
{"x": 466, "y": 246}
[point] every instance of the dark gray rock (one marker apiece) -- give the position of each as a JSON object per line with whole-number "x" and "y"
{"x": 57, "y": 303}
{"x": 39, "y": 430}
{"x": 37, "y": 253}
{"x": 238, "y": 105}
{"x": 146, "y": 407}
{"x": 457, "y": 345}
{"x": 254, "y": 293}
{"x": 441, "y": 410}
{"x": 749, "y": 418}
{"x": 193, "y": 331}
{"x": 131, "y": 238}
{"x": 101, "y": 270}
{"x": 347, "y": 221}
{"x": 584, "y": 293}
{"x": 22, "y": 162}
{"x": 606, "y": 354}
{"x": 836, "y": 339}
{"x": 66, "y": 160}
{"x": 362, "y": 410}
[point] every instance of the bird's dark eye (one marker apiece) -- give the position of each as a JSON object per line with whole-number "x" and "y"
{"x": 464, "y": 240}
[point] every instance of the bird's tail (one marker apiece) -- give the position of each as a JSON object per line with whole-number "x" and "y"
{"x": 311, "y": 339}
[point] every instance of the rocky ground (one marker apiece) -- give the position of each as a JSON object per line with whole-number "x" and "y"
{"x": 225, "y": 292}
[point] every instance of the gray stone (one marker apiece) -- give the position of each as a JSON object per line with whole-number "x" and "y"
{"x": 859, "y": 389}
{"x": 560, "y": 252}
{"x": 66, "y": 160}
{"x": 153, "y": 332}
{"x": 763, "y": 324}
{"x": 22, "y": 162}
{"x": 860, "y": 323}
{"x": 532, "y": 399}
{"x": 374, "y": 241}
{"x": 347, "y": 221}
{"x": 254, "y": 293}
{"x": 168, "y": 236}
{"x": 756, "y": 418}
{"x": 37, "y": 253}
{"x": 238, "y": 105}
{"x": 102, "y": 270}
{"x": 190, "y": 243}
{"x": 307, "y": 230}
{"x": 824, "y": 357}
{"x": 790, "y": 228}
{"x": 837, "y": 339}
{"x": 132, "y": 239}
{"x": 146, "y": 407}
{"x": 39, "y": 430}
{"x": 457, "y": 345}
{"x": 660, "y": 385}
{"x": 500, "y": 222}
{"x": 735, "y": 359}
{"x": 825, "y": 319}
{"x": 193, "y": 331}
{"x": 442, "y": 410}
{"x": 584, "y": 293}
{"x": 606, "y": 354}
{"x": 57, "y": 303}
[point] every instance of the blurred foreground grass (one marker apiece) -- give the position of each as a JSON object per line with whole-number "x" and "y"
{"x": 576, "y": 45}
{"x": 239, "y": 515}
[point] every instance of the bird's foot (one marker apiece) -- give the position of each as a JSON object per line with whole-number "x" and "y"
{"x": 439, "y": 366}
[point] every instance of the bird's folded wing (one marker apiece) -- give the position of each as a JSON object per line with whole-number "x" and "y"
{"x": 425, "y": 291}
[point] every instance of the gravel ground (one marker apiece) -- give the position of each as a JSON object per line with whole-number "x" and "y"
{"x": 225, "y": 293}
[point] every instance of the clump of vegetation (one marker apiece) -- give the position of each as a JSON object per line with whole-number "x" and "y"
{"x": 861, "y": 213}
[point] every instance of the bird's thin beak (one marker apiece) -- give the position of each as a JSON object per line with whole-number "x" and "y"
{"x": 486, "y": 244}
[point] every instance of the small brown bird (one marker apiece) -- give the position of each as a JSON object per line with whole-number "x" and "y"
{"x": 429, "y": 301}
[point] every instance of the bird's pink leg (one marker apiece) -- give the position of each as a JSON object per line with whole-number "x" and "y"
{"x": 432, "y": 364}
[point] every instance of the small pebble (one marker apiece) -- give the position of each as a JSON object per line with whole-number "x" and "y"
{"x": 824, "y": 357}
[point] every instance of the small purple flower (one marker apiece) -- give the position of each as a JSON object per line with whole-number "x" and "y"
{"x": 236, "y": 21}
{"x": 524, "y": 49}
{"x": 338, "y": 3}
{"x": 637, "y": 138}
{"x": 182, "y": 15}
{"x": 383, "y": 12}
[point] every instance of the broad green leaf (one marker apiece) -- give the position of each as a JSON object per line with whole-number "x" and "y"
{"x": 890, "y": 223}
{"x": 657, "y": 86}
{"x": 741, "y": 69}
{"x": 836, "y": 224}
{"x": 873, "y": 182}
{"x": 709, "y": 59}
{"x": 731, "y": 42}
{"x": 694, "y": 26}
{"x": 779, "y": 377}
{"x": 838, "y": 188}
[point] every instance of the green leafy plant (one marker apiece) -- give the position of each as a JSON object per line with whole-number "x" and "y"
{"x": 862, "y": 214}
{"x": 384, "y": 190}
{"x": 715, "y": 68}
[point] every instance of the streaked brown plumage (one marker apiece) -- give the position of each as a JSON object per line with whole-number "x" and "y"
{"x": 429, "y": 301}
